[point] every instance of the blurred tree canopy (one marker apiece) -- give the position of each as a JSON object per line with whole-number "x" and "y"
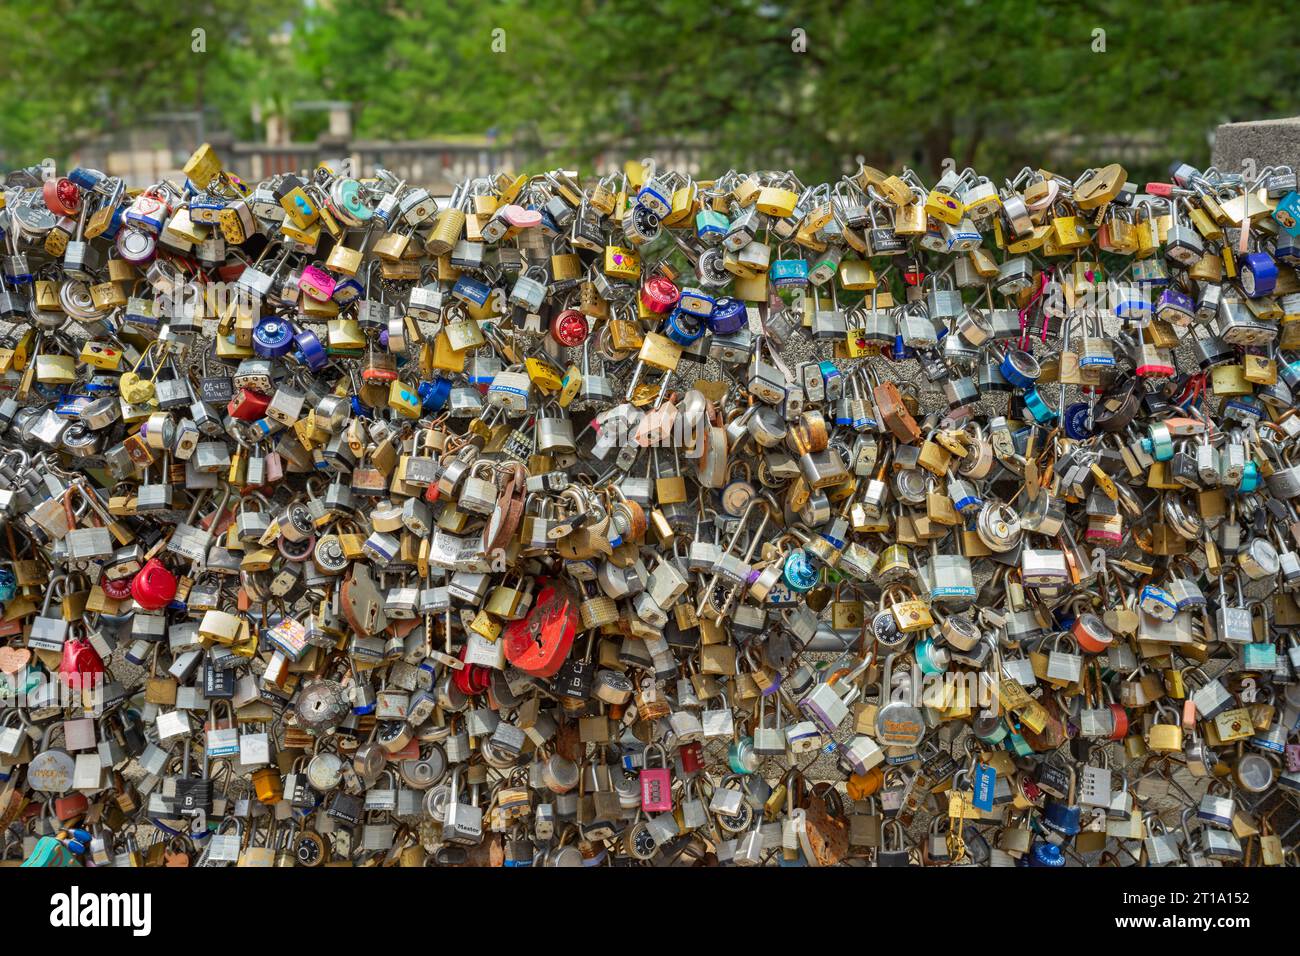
{"x": 996, "y": 83}
{"x": 76, "y": 67}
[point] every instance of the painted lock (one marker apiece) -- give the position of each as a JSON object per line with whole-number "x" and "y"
{"x": 153, "y": 586}
{"x": 248, "y": 405}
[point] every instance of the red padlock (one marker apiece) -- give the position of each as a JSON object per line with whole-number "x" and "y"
{"x": 569, "y": 328}
{"x": 248, "y": 405}
{"x": 472, "y": 679}
{"x": 1119, "y": 717}
{"x": 119, "y": 589}
{"x": 692, "y": 755}
{"x": 659, "y": 294}
{"x": 80, "y": 665}
{"x": 153, "y": 586}
{"x": 1091, "y": 632}
{"x": 62, "y": 196}
{"x": 70, "y": 807}
{"x": 539, "y": 642}
{"x": 231, "y": 270}
{"x": 411, "y": 751}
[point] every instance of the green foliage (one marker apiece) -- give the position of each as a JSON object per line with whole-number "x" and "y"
{"x": 996, "y": 83}
{"x": 77, "y": 67}
{"x": 417, "y": 70}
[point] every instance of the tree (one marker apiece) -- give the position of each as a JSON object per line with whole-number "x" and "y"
{"x": 762, "y": 83}
{"x": 77, "y": 67}
{"x": 991, "y": 82}
{"x": 417, "y": 69}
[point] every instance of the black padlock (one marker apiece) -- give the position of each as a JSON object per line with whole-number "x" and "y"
{"x": 218, "y": 682}
{"x": 574, "y": 679}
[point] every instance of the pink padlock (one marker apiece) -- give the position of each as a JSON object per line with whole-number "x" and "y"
{"x": 317, "y": 283}
{"x": 656, "y": 783}
{"x": 656, "y": 426}
{"x": 521, "y": 218}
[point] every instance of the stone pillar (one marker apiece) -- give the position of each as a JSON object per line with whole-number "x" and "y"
{"x": 341, "y": 121}
{"x": 277, "y": 130}
{"x": 1274, "y": 142}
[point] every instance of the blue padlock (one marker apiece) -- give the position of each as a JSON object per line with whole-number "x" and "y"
{"x": 434, "y": 394}
{"x": 309, "y": 351}
{"x": 798, "y": 572}
{"x": 728, "y": 316}
{"x": 90, "y": 178}
{"x": 682, "y": 328}
{"x": 1019, "y": 368}
{"x": 471, "y": 291}
{"x": 1045, "y": 854}
{"x": 347, "y": 292}
{"x": 1078, "y": 421}
{"x": 273, "y": 336}
{"x": 1258, "y": 274}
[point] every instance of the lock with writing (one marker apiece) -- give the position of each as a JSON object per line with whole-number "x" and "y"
{"x": 1233, "y": 620}
{"x": 899, "y": 720}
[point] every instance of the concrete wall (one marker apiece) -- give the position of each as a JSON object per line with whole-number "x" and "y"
{"x": 1274, "y": 142}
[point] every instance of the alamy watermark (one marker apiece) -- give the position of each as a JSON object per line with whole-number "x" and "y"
{"x": 76, "y": 910}
{"x": 34, "y": 689}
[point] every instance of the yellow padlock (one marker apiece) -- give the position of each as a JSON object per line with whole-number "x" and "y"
{"x": 404, "y": 399}
{"x": 55, "y": 369}
{"x": 203, "y": 166}
{"x": 102, "y": 355}
{"x": 344, "y": 337}
{"x": 1165, "y": 738}
{"x": 300, "y": 208}
{"x": 622, "y": 263}
{"x": 570, "y": 385}
{"x": 777, "y": 202}
{"x": 444, "y": 357}
{"x": 944, "y": 206}
{"x": 543, "y": 376}
{"x": 135, "y": 388}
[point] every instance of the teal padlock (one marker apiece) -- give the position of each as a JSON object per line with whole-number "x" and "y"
{"x": 1249, "y": 477}
{"x": 798, "y": 572}
{"x": 1287, "y": 213}
{"x": 930, "y": 657}
{"x": 1259, "y": 657}
{"x": 741, "y": 757}
{"x": 787, "y": 273}
{"x": 711, "y": 225}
